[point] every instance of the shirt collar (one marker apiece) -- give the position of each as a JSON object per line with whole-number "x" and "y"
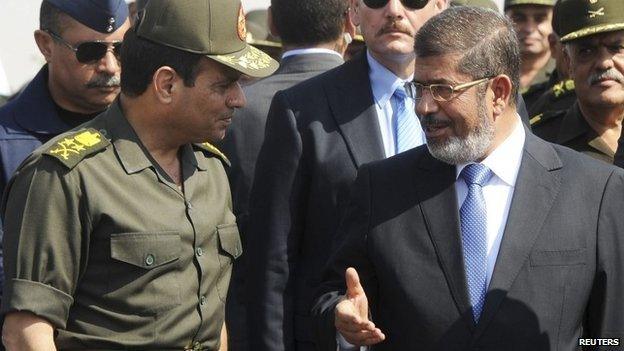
{"x": 309, "y": 51}
{"x": 505, "y": 160}
{"x": 383, "y": 81}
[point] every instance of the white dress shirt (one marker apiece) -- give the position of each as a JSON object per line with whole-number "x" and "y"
{"x": 383, "y": 84}
{"x": 504, "y": 162}
{"x": 309, "y": 51}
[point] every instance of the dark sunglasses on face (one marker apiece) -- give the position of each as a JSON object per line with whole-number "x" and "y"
{"x": 89, "y": 51}
{"x": 412, "y": 4}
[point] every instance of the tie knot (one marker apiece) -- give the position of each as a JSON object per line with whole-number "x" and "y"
{"x": 400, "y": 93}
{"x": 476, "y": 173}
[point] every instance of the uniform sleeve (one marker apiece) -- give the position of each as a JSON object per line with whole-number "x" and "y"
{"x": 605, "y": 311}
{"x": 275, "y": 229}
{"x": 44, "y": 223}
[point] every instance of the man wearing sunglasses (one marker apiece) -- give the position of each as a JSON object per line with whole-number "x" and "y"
{"x": 317, "y": 135}
{"x": 488, "y": 238}
{"x": 80, "y": 41}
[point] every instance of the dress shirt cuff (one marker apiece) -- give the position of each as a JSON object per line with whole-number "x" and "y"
{"x": 343, "y": 345}
{"x": 38, "y": 298}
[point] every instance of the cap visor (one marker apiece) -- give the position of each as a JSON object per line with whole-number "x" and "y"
{"x": 249, "y": 61}
{"x": 602, "y": 28}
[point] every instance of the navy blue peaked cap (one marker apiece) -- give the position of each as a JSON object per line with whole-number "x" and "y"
{"x": 104, "y": 16}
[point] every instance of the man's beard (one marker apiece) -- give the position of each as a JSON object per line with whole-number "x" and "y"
{"x": 457, "y": 150}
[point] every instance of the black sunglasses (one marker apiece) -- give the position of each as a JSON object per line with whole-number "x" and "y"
{"x": 89, "y": 51}
{"x": 412, "y": 4}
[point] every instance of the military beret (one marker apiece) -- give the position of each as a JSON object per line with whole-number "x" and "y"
{"x": 510, "y": 3}
{"x": 215, "y": 28}
{"x": 487, "y": 4}
{"x": 588, "y": 17}
{"x": 104, "y": 16}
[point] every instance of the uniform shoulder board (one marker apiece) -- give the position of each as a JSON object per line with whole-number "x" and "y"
{"x": 74, "y": 147}
{"x": 546, "y": 116}
{"x": 213, "y": 150}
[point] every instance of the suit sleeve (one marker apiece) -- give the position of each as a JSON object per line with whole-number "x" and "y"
{"x": 605, "y": 312}
{"x": 350, "y": 250}
{"x": 277, "y": 204}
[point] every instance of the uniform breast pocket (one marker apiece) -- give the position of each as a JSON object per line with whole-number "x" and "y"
{"x": 229, "y": 249}
{"x": 559, "y": 257}
{"x": 143, "y": 276}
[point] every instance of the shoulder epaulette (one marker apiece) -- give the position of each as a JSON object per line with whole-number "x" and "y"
{"x": 74, "y": 147}
{"x": 213, "y": 150}
{"x": 562, "y": 87}
{"x": 546, "y": 116}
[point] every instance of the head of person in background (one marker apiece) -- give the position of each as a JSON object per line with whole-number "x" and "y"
{"x": 357, "y": 45}
{"x": 82, "y": 48}
{"x": 389, "y": 27}
{"x": 259, "y": 34}
{"x": 486, "y": 4}
{"x": 533, "y": 22}
{"x": 593, "y": 39}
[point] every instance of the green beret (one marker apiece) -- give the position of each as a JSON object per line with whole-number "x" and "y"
{"x": 589, "y": 17}
{"x": 510, "y": 3}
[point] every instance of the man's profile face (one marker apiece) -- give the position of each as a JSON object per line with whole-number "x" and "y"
{"x": 459, "y": 130}
{"x": 597, "y": 67}
{"x": 83, "y": 87}
{"x": 389, "y": 31}
{"x": 533, "y": 25}
{"x": 206, "y": 109}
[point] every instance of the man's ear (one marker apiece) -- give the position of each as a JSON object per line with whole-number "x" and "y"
{"x": 354, "y": 12}
{"x": 44, "y": 43}
{"x": 164, "y": 84}
{"x": 501, "y": 88}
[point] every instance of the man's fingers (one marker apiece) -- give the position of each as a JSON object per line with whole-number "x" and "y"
{"x": 354, "y": 288}
{"x": 364, "y": 338}
{"x": 346, "y": 317}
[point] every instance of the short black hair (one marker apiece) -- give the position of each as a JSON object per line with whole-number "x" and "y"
{"x": 141, "y": 58}
{"x": 309, "y": 22}
{"x": 484, "y": 40}
{"x": 51, "y": 18}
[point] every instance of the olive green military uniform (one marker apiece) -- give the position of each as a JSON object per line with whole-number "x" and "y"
{"x": 540, "y": 84}
{"x": 569, "y": 128}
{"x": 101, "y": 243}
{"x": 560, "y": 97}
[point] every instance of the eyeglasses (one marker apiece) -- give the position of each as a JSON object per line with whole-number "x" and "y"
{"x": 412, "y": 4}
{"x": 90, "y": 51}
{"x": 440, "y": 92}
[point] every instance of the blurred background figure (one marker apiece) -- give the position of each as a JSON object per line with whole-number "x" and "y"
{"x": 357, "y": 46}
{"x": 488, "y": 4}
{"x": 532, "y": 21}
{"x": 593, "y": 37}
{"x": 314, "y": 36}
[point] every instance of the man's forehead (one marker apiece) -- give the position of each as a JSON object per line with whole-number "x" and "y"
{"x": 530, "y": 10}
{"x": 437, "y": 69}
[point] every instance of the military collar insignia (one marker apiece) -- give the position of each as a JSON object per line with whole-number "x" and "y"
{"x": 213, "y": 150}
{"x": 72, "y": 148}
{"x": 562, "y": 87}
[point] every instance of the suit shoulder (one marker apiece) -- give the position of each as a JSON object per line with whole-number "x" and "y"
{"x": 304, "y": 88}
{"x": 72, "y": 147}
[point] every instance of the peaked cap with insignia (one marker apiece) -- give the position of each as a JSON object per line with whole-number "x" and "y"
{"x": 104, "y": 16}
{"x": 510, "y": 3}
{"x": 215, "y": 28}
{"x": 588, "y": 17}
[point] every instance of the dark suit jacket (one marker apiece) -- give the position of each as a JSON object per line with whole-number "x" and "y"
{"x": 559, "y": 274}
{"x": 242, "y": 145}
{"x": 317, "y": 135}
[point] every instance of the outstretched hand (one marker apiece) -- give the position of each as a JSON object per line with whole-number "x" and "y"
{"x": 351, "y": 314}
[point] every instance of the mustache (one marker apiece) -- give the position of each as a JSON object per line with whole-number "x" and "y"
{"x": 427, "y": 121}
{"x": 611, "y": 73}
{"x": 394, "y": 26}
{"x": 103, "y": 81}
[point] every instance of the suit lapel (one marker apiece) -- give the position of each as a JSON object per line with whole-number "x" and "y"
{"x": 438, "y": 201}
{"x": 536, "y": 188}
{"x": 351, "y": 101}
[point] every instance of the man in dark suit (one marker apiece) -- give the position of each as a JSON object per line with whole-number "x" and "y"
{"x": 314, "y": 36}
{"x": 489, "y": 238}
{"x": 317, "y": 134}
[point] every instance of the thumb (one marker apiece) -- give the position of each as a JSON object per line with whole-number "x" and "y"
{"x": 354, "y": 288}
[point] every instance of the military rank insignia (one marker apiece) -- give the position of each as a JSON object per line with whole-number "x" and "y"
{"x": 213, "y": 150}
{"x": 72, "y": 148}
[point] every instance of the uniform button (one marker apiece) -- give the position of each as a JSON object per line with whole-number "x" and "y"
{"x": 199, "y": 251}
{"x": 189, "y": 206}
{"x": 149, "y": 260}
{"x": 202, "y": 300}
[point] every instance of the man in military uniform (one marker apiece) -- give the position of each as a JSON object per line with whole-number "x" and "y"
{"x": 80, "y": 41}
{"x": 532, "y": 21}
{"x": 593, "y": 35}
{"x": 121, "y": 234}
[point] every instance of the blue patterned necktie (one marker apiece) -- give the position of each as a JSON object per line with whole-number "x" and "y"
{"x": 406, "y": 126}
{"x": 473, "y": 231}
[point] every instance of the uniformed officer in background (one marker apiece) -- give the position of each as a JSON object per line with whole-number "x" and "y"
{"x": 80, "y": 41}
{"x": 593, "y": 35}
{"x": 532, "y": 21}
{"x": 120, "y": 234}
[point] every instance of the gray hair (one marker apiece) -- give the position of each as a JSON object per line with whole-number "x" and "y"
{"x": 485, "y": 41}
